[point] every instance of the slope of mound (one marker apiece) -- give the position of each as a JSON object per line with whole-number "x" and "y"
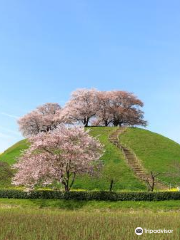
{"x": 114, "y": 165}
{"x": 13, "y": 152}
{"x": 156, "y": 152}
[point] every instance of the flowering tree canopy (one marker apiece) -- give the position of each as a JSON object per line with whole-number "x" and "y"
{"x": 125, "y": 109}
{"x": 42, "y": 119}
{"x": 118, "y": 108}
{"x": 81, "y": 107}
{"x": 104, "y": 114}
{"x": 86, "y": 107}
{"x": 58, "y": 155}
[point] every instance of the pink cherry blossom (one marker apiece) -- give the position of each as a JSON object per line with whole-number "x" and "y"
{"x": 58, "y": 155}
{"x": 42, "y": 119}
{"x": 82, "y": 107}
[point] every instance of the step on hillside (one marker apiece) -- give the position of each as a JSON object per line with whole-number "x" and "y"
{"x": 131, "y": 158}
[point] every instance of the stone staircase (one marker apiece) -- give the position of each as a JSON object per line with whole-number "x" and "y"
{"x": 132, "y": 159}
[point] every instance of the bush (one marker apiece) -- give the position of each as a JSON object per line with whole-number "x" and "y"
{"x": 85, "y": 195}
{"x": 6, "y": 174}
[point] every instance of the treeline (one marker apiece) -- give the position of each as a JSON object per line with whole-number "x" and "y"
{"x": 88, "y": 107}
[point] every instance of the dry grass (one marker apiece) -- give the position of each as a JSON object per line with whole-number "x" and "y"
{"x": 37, "y": 224}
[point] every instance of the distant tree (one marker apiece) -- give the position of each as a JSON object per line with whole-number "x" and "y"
{"x": 86, "y": 107}
{"x": 125, "y": 109}
{"x": 103, "y": 114}
{"x": 151, "y": 181}
{"x": 58, "y": 155}
{"x": 118, "y": 108}
{"x": 82, "y": 107}
{"x": 43, "y": 119}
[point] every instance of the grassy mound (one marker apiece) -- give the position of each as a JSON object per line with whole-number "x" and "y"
{"x": 156, "y": 152}
{"x": 12, "y": 153}
{"x": 115, "y": 165}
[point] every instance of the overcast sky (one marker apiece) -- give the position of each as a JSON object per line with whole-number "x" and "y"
{"x": 50, "y": 48}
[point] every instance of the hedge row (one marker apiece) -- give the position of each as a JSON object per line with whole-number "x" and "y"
{"x": 85, "y": 195}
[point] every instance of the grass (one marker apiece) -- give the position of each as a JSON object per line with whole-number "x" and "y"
{"x": 88, "y": 206}
{"x": 12, "y": 153}
{"x": 40, "y": 219}
{"x": 54, "y": 219}
{"x": 157, "y": 153}
{"x": 115, "y": 165}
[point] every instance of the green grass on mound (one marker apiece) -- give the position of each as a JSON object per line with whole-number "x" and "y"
{"x": 115, "y": 165}
{"x": 12, "y": 153}
{"x": 156, "y": 152}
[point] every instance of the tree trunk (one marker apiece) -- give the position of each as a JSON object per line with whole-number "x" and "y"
{"x": 111, "y": 185}
{"x": 86, "y": 121}
{"x": 106, "y": 123}
{"x": 120, "y": 124}
{"x": 66, "y": 188}
{"x": 74, "y": 175}
{"x": 115, "y": 123}
{"x": 66, "y": 183}
{"x": 151, "y": 182}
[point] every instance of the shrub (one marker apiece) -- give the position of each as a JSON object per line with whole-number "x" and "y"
{"x": 85, "y": 195}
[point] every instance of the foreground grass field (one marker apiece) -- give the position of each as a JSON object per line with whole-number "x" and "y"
{"x": 88, "y": 206}
{"x": 53, "y": 220}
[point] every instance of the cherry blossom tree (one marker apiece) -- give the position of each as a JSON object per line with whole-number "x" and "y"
{"x": 118, "y": 108}
{"x": 82, "y": 107}
{"x": 103, "y": 114}
{"x": 44, "y": 118}
{"x": 58, "y": 155}
{"x": 125, "y": 109}
{"x": 86, "y": 107}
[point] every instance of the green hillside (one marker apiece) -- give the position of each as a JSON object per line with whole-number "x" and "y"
{"x": 115, "y": 166}
{"x": 13, "y": 152}
{"x": 156, "y": 153}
